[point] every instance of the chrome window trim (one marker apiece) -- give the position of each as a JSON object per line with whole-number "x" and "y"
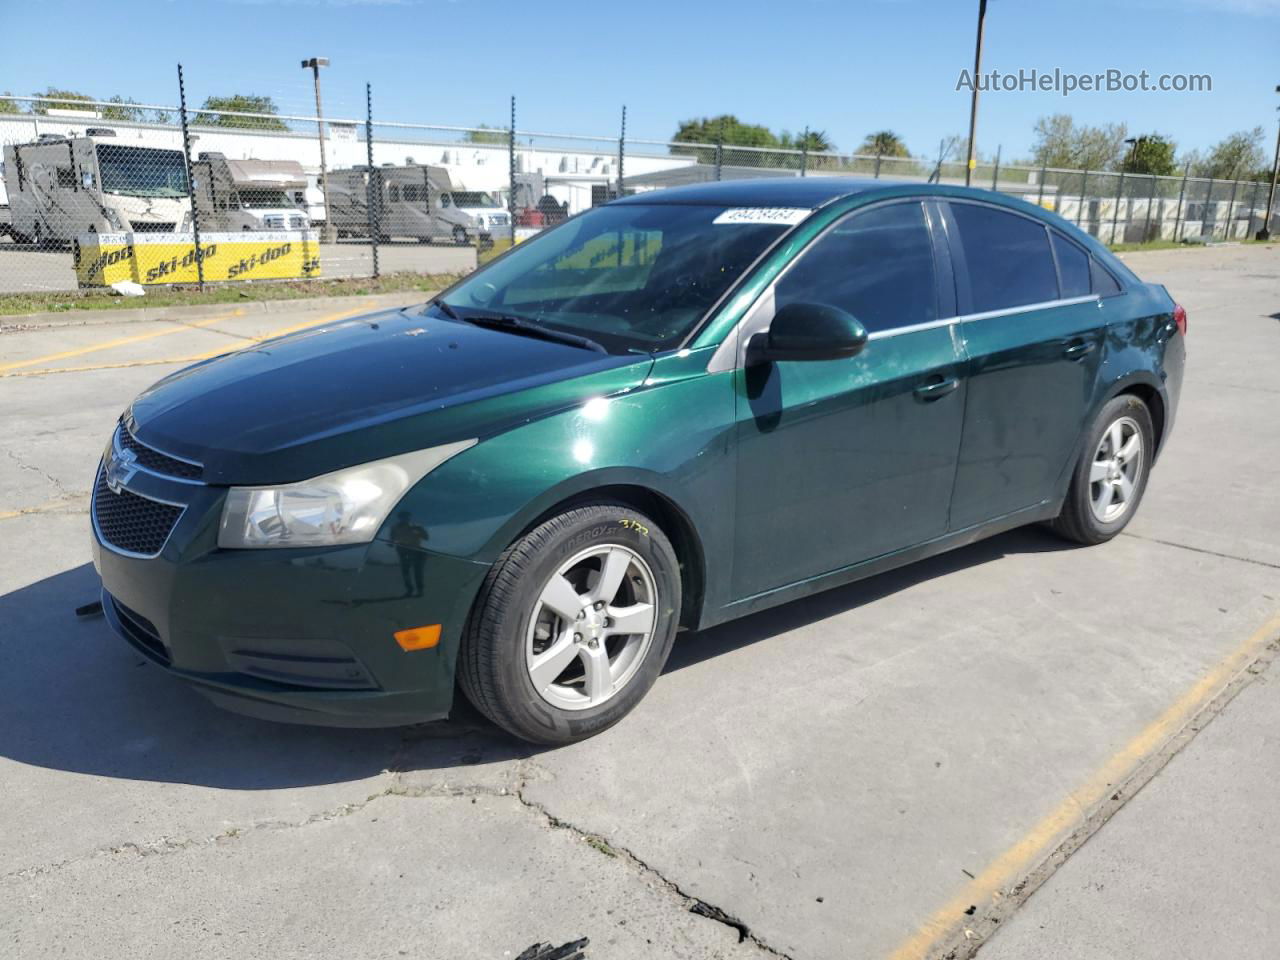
{"x": 730, "y": 354}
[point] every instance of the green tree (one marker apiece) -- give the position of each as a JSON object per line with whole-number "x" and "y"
{"x": 8, "y": 106}
{"x": 884, "y": 143}
{"x": 487, "y": 134}
{"x": 734, "y": 131}
{"x": 815, "y": 141}
{"x": 56, "y": 101}
{"x": 1238, "y": 156}
{"x": 216, "y": 112}
{"x": 122, "y": 109}
{"x": 1061, "y": 143}
{"x": 1151, "y": 154}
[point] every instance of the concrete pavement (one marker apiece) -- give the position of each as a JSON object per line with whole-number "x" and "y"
{"x": 842, "y": 776}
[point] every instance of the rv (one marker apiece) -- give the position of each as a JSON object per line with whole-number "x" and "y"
{"x": 415, "y": 201}
{"x": 238, "y": 195}
{"x": 61, "y": 187}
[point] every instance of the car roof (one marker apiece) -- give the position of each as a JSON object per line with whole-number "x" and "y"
{"x": 812, "y": 191}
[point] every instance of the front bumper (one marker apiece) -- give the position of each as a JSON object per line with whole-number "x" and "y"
{"x": 303, "y": 636}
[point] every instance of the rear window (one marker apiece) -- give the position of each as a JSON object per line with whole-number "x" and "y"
{"x": 1007, "y": 256}
{"x": 1073, "y": 267}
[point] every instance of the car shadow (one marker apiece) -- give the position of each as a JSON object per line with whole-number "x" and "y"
{"x": 75, "y": 698}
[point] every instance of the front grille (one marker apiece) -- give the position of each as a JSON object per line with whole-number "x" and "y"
{"x": 131, "y": 523}
{"x": 141, "y": 632}
{"x": 499, "y": 220}
{"x": 273, "y": 223}
{"x": 297, "y": 223}
{"x": 152, "y": 227}
{"x": 156, "y": 461}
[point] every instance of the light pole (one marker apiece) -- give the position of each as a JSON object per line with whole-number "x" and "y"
{"x": 1265, "y": 232}
{"x": 314, "y": 64}
{"x": 972, "y": 161}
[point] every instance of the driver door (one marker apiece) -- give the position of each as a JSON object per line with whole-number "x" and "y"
{"x": 841, "y": 461}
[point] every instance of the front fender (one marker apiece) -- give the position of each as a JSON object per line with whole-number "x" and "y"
{"x": 672, "y": 436}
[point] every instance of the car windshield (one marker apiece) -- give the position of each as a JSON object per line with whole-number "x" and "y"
{"x": 142, "y": 171}
{"x": 265, "y": 199}
{"x": 473, "y": 199}
{"x": 630, "y": 276}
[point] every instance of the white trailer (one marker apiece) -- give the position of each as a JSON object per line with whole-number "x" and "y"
{"x": 62, "y": 187}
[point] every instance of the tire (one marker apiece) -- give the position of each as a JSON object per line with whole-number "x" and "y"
{"x": 1089, "y": 515}
{"x": 513, "y": 626}
{"x": 460, "y": 236}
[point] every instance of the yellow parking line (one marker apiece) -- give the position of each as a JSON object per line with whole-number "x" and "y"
{"x": 215, "y": 352}
{"x": 1018, "y": 859}
{"x": 120, "y": 342}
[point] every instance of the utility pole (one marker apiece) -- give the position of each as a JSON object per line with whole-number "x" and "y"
{"x": 314, "y": 64}
{"x": 973, "y": 105}
{"x": 1265, "y": 232}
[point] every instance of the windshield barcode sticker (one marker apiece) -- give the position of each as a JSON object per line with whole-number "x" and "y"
{"x": 784, "y": 216}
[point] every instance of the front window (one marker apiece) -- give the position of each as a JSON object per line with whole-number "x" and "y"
{"x": 141, "y": 171}
{"x": 632, "y": 277}
{"x": 471, "y": 198}
{"x": 264, "y": 199}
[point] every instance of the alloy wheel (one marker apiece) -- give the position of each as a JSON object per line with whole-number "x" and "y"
{"x": 591, "y": 627}
{"x": 1115, "y": 470}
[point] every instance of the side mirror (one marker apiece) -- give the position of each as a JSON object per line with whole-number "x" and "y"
{"x": 808, "y": 331}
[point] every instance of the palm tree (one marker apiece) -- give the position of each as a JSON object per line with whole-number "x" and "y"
{"x": 884, "y": 143}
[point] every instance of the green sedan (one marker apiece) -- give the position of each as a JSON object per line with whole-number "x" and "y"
{"x": 668, "y": 412}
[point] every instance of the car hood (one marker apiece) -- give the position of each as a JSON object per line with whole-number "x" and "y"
{"x": 361, "y": 389}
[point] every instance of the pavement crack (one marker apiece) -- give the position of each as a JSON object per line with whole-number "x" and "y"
{"x": 691, "y": 903}
{"x": 1207, "y": 552}
{"x": 38, "y": 471}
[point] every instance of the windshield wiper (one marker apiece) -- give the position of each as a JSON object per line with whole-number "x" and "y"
{"x": 530, "y": 329}
{"x": 447, "y": 310}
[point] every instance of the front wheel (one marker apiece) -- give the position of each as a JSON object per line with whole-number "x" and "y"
{"x": 1110, "y": 477}
{"x": 573, "y": 624}
{"x": 460, "y": 236}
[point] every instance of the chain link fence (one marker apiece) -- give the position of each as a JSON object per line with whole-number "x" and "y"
{"x": 96, "y": 193}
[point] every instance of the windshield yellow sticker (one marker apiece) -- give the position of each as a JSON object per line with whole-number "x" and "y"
{"x": 783, "y": 216}
{"x": 104, "y": 259}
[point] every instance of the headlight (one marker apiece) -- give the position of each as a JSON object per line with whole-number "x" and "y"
{"x": 112, "y": 218}
{"x": 186, "y": 222}
{"x": 346, "y": 506}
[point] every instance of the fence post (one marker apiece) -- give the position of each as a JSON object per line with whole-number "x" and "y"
{"x": 1253, "y": 206}
{"x": 1115, "y": 214}
{"x": 191, "y": 184}
{"x": 804, "y": 153}
{"x": 719, "y": 147}
{"x": 511, "y": 165}
{"x": 1151, "y": 202}
{"x": 995, "y": 173}
{"x": 1084, "y": 180}
{"x": 622, "y": 139}
{"x": 1182, "y": 193}
{"x": 1208, "y": 200}
{"x": 878, "y": 155}
{"x": 1231, "y": 206}
{"x": 1044, "y": 169}
{"x": 373, "y": 187}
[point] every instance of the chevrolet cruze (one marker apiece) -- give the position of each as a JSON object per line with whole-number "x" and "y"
{"x": 665, "y": 413}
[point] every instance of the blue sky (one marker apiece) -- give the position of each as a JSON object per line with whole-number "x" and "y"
{"x": 843, "y": 66}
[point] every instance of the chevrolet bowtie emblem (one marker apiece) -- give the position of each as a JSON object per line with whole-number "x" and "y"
{"x": 120, "y": 468}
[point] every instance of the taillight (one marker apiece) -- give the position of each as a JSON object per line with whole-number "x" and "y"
{"x": 1180, "y": 318}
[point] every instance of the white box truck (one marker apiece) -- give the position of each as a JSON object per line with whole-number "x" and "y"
{"x": 248, "y": 194}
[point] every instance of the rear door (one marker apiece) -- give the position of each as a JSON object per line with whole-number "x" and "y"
{"x": 843, "y": 460}
{"x": 1033, "y": 332}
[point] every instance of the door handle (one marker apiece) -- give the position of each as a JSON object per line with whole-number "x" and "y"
{"x": 936, "y": 389}
{"x": 1081, "y": 348}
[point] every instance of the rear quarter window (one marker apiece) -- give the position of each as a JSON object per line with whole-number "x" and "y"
{"x": 1104, "y": 284}
{"x": 1074, "y": 267}
{"x": 1007, "y": 256}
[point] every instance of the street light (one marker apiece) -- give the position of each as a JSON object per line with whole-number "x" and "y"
{"x": 973, "y": 104}
{"x": 314, "y": 64}
{"x": 1265, "y": 232}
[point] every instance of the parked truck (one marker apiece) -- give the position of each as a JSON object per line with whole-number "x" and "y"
{"x": 248, "y": 194}
{"x": 413, "y": 200}
{"x": 61, "y": 187}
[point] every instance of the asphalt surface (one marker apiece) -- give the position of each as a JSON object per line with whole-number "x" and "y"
{"x": 868, "y": 773}
{"x": 25, "y": 268}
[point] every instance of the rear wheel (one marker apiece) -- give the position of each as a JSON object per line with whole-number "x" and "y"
{"x": 573, "y": 624}
{"x": 1111, "y": 476}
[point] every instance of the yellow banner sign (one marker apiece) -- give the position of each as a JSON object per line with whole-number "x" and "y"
{"x": 155, "y": 258}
